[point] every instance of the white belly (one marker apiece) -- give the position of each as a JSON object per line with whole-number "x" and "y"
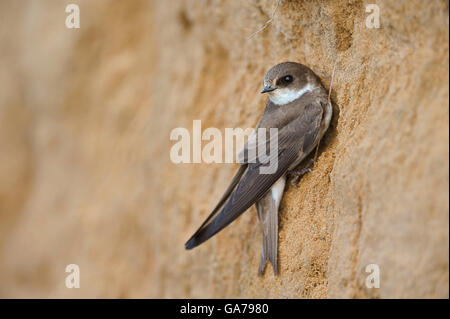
{"x": 277, "y": 190}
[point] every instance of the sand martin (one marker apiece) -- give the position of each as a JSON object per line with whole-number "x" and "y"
{"x": 299, "y": 107}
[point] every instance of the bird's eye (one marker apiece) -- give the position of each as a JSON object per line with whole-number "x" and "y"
{"x": 285, "y": 80}
{"x": 288, "y": 79}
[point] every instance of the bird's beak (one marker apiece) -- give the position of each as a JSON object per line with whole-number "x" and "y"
{"x": 268, "y": 89}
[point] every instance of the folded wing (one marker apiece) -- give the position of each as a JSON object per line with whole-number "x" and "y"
{"x": 247, "y": 189}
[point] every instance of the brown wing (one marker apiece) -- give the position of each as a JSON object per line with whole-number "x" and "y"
{"x": 225, "y": 196}
{"x": 293, "y": 138}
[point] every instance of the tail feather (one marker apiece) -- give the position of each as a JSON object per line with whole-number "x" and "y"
{"x": 267, "y": 208}
{"x": 268, "y": 216}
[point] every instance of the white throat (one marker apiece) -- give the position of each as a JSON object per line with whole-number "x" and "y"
{"x": 285, "y": 96}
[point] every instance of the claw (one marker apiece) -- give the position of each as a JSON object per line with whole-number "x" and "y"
{"x": 299, "y": 173}
{"x": 294, "y": 181}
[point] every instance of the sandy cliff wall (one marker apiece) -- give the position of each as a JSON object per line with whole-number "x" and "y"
{"x": 85, "y": 175}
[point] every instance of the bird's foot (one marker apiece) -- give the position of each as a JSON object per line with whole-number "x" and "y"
{"x": 297, "y": 173}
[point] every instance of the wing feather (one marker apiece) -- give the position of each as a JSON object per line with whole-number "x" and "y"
{"x": 293, "y": 139}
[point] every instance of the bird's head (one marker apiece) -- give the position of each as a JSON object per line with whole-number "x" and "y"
{"x": 287, "y": 81}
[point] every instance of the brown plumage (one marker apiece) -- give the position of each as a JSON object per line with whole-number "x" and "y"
{"x": 298, "y": 107}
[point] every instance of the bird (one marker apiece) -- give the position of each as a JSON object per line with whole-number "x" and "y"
{"x": 299, "y": 107}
